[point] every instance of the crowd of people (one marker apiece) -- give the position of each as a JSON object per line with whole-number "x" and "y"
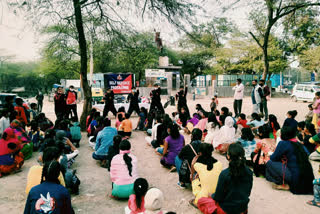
{"x": 259, "y": 146}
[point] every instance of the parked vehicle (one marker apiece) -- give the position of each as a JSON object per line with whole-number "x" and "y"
{"x": 305, "y": 91}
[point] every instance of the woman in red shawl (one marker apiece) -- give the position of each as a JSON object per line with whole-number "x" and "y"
{"x": 23, "y": 138}
{"x": 11, "y": 159}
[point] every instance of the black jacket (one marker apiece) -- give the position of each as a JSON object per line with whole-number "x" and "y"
{"x": 133, "y": 98}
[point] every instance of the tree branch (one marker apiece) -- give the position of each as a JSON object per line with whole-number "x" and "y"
{"x": 255, "y": 38}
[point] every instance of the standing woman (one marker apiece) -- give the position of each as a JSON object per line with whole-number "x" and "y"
{"x": 123, "y": 172}
{"x": 171, "y": 147}
{"x": 49, "y": 196}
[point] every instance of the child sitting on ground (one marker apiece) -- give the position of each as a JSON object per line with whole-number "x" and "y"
{"x": 136, "y": 203}
{"x": 142, "y": 118}
{"x": 75, "y": 132}
{"x": 36, "y": 135}
{"x": 126, "y": 127}
{"x": 242, "y": 121}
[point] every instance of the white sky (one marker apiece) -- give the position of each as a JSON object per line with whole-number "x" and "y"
{"x": 19, "y": 40}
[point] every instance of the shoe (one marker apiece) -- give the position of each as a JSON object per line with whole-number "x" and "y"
{"x": 182, "y": 186}
{"x": 173, "y": 169}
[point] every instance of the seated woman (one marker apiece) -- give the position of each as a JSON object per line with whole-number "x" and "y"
{"x": 247, "y": 142}
{"x": 188, "y": 152}
{"x": 171, "y": 147}
{"x": 49, "y": 196}
{"x": 113, "y": 150}
{"x": 44, "y": 122}
{"x": 184, "y": 116}
{"x": 255, "y": 122}
{"x": 11, "y": 159}
{"x": 101, "y": 124}
{"x": 308, "y": 132}
{"x": 23, "y": 138}
{"x": 289, "y": 166}
{"x": 264, "y": 147}
{"x": 36, "y": 135}
{"x": 142, "y": 118}
{"x": 225, "y": 136}
{"x": 192, "y": 123}
{"x": 234, "y": 186}
{"x": 212, "y": 127}
{"x": 290, "y": 121}
{"x": 126, "y": 127}
{"x": 274, "y": 126}
{"x": 123, "y": 172}
{"x": 208, "y": 170}
{"x": 202, "y": 122}
{"x": 51, "y": 153}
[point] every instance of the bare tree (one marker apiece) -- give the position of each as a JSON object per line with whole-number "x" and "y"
{"x": 78, "y": 12}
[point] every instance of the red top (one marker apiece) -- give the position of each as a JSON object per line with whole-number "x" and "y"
{"x": 21, "y": 116}
{"x": 132, "y": 204}
{"x": 243, "y": 123}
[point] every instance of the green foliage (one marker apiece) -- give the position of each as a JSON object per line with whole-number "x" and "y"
{"x": 309, "y": 59}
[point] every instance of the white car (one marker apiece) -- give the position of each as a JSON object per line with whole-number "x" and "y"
{"x": 304, "y": 92}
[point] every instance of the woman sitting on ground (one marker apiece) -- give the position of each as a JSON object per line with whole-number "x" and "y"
{"x": 11, "y": 159}
{"x": 171, "y": 147}
{"x": 188, "y": 152}
{"x": 202, "y": 122}
{"x": 308, "y": 132}
{"x": 212, "y": 127}
{"x": 192, "y": 123}
{"x": 247, "y": 142}
{"x": 208, "y": 170}
{"x": 291, "y": 156}
{"x": 255, "y": 122}
{"x": 225, "y": 137}
{"x": 113, "y": 150}
{"x": 44, "y": 122}
{"x": 290, "y": 121}
{"x": 23, "y": 138}
{"x": 142, "y": 118}
{"x": 101, "y": 124}
{"x": 123, "y": 172}
{"x": 234, "y": 186}
{"x": 49, "y": 196}
{"x": 274, "y": 126}
{"x": 264, "y": 147}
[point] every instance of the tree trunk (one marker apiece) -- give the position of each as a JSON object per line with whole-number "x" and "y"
{"x": 266, "y": 63}
{"x": 84, "y": 66}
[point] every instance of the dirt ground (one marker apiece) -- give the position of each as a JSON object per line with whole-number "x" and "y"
{"x": 96, "y": 186}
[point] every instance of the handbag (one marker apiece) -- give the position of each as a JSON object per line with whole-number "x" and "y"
{"x": 185, "y": 169}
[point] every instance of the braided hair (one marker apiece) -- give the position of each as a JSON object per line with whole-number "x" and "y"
{"x": 51, "y": 172}
{"x": 140, "y": 189}
{"x": 125, "y": 145}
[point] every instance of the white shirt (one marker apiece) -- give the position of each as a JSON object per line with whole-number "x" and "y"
{"x": 239, "y": 90}
{"x": 154, "y": 131}
{"x": 4, "y": 123}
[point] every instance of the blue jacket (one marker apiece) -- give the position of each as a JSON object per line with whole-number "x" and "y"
{"x": 48, "y": 197}
{"x": 105, "y": 140}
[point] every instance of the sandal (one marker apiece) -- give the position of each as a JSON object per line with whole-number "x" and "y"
{"x": 191, "y": 202}
{"x": 281, "y": 187}
{"x": 313, "y": 203}
{"x": 173, "y": 169}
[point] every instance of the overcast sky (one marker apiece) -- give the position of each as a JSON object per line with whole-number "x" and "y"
{"x": 19, "y": 40}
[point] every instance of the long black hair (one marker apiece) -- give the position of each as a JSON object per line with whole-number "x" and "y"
{"x": 256, "y": 116}
{"x": 116, "y": 143}
{"x": 293, "y": 113}
{"x": 51, "y": 171}
{"x": 264, "y": 131}
{"x": 174, "y": 131}
{"x": 212, "y": 118}
{"x": 273, "y": 120}
{"x": 246, "y": 134}
{"x": 196, "y": 134}
{"x": 125, "y": 145}
{"x": 237, "y": 160}
{"x": 140, "y": 188}
{"x": 311, "y": 129}
{"x": 206, "y": 158}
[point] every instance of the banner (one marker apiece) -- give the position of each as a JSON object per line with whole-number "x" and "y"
{"x": 119, "y": 83}
{"x": 155, "y": 73}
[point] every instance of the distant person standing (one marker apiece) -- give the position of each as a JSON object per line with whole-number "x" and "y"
{"x": 238, "y": 97}
{"x": 256, "y": 95}
{"x": 10, "y": 107}
{"x": 60, "y": 103}
{"x": 156, "y": 99}
{"x": 109, "y": 103}
{"x": 133, "y": 98}
{"x": 71, "y": 101}
{"x": 264, "y": 99}
{"x": 40, "y": 98}
{"x": 181, "y": 97}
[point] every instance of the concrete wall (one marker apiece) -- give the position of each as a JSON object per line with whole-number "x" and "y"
{"x": 226, "y": 91}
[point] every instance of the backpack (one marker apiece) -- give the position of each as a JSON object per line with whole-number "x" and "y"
{"x": 75, "y": 132}
{"x": 185, "y": 169}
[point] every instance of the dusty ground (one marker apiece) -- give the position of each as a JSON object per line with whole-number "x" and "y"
{"x": 95, "y": 181}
